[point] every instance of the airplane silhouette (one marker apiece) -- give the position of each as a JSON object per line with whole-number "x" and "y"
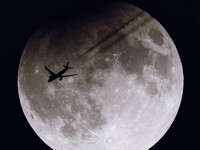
{"x": 59, "y": 75}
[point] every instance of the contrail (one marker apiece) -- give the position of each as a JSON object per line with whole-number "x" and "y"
{"x": 112, "y": 34}
{"x": 123, "y": 36}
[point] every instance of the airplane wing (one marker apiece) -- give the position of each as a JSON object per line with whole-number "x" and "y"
{"x": 69, "y": 75}
{"x": 49, "y": 71}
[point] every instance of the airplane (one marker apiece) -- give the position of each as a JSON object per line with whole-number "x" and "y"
{"x": 59, "y": 75}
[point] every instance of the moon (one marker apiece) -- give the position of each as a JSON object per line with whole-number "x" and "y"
{"x": 129, "y": 84}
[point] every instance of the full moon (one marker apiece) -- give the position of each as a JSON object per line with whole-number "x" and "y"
{"x": 129, "y": 84}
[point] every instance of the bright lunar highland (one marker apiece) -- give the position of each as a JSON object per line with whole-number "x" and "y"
{"x": 128, "y": 88}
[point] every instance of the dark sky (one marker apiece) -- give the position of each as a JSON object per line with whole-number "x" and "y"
{"x": 19, "y": 19}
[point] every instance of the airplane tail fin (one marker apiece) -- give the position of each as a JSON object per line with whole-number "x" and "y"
{"x": 67, "y": 66}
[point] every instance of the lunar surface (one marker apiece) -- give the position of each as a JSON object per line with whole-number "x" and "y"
{"x": 128, "y": 88}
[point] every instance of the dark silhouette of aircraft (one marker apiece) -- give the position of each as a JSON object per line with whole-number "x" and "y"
{"x": 59, "y": 75}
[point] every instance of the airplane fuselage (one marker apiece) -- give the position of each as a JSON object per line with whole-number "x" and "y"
{"x": 58, "y": 75}
{"x": 62, "y": 72}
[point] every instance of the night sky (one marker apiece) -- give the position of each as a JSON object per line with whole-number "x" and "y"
{"x": 19, "y": 19}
